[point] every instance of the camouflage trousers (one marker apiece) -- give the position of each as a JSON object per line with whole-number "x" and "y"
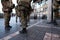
{"x": 17, "y": 13}
{"x": 7, "y": 17}
{"x": 24, "y": 20}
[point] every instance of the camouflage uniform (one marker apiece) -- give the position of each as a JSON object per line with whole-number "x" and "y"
{"x": 55, "y": 10}
{"x": 7, "y": 9}
{"x": 24, "y": 10}
{"x": 17, "y": 13}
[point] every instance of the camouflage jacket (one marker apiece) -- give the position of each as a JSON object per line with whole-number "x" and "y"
{"x": 25, "y": 7}
{"x": 7, "y": 5}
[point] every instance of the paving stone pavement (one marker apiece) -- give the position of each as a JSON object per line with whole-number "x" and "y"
{"x": 38, "y": 30}
{"x": 15, "y": 26}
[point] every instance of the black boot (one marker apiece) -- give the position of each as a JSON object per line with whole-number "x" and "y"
{"x": 8, "y": 27}
{"x": 23, "y": 30}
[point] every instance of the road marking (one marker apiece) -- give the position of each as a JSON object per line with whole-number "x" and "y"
{"x": 10, "y": 36}
{"x": 16, "y": 33}
{"x": 33, "y": 25}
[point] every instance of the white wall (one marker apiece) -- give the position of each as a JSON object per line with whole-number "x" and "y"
{"x": 0, "y": 7}
{"x": 49, "y": 10}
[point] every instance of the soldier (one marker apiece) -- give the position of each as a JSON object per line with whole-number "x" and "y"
{"x": 24, "y": 9}
{"x": 7, "y": 9}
